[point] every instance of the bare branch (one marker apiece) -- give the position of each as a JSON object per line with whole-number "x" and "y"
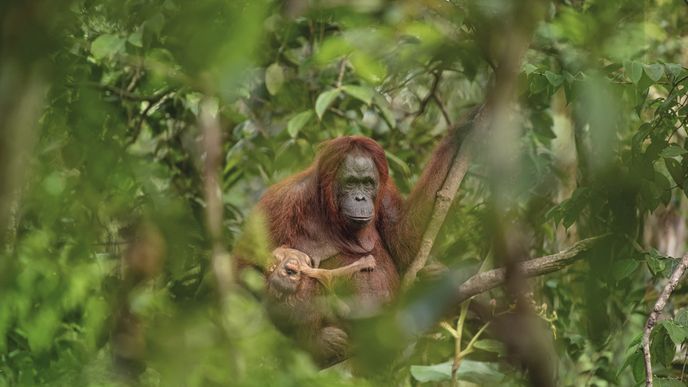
{"x": 485, "y": 281}
{"x": 656, "y": 310}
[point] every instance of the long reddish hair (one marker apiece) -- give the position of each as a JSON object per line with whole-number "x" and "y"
{"x": 330, "y": 158}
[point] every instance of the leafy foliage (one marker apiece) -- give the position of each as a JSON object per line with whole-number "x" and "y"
{"x": 101, "y": 100}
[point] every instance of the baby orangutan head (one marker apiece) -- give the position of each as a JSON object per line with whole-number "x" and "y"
{"x": 287, "y": 272}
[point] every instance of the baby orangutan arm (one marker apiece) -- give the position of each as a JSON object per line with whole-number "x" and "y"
{"x": 327, "y": 276}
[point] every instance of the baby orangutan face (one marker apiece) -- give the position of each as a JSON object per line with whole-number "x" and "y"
{"x": 287, "y": 272}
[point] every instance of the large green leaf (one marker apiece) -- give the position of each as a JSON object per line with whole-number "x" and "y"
{"x": 654, "y": 71}
{"x": 274, "y": 78}
{"x": 634, "y": 71}
{"x": 472, "y": 371}
{"x": 673, "y": 150}
{"x": 297, "y": 122}
{"x": 623, "y": 268}
{"x": 106, "y": 45}
{"x": 362, "y": 93}
{"x": 678, "y": 333}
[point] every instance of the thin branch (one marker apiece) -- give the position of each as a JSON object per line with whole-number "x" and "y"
{"x": 144, "y": 115}
{"x": 437, "y": 77}
{"x": 443, "y": 109}
{"x": 656, "y": 311}
{"x": 485, "y": 281}
{"x": 124, "y": 94}
{"x": 342, "y": 69}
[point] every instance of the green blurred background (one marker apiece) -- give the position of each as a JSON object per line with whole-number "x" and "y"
{"x": 101, "y": 166}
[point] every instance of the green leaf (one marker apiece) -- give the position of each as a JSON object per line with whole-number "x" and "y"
{"x": 654, "y": 71}
{"x": 638, "y": 366}
{"x": 673, "y": 150}
{"x": 106, "y": 46}
{"x": 274, "y": 78}
{"x": 386, "y": 110}
{"x": 662, "y": 348}
{"x": 324, "y": 101}
{"x": 362, "y": 93}
{"x": 136, "y": 39}
{"x": 490, "y": 346}
{"x": 678, "y": 333}
{"x": 481, "y": 373}
{"x": 675, "y": 170}
{"x": 368, "y": 67}
{"x": 554, "y": 79}
{"x": 666, "y": 382}
{"x": 623, "y": 268}
{"x": 297, "y": 122}
{"x": 332, "y": 48}
{"x": 676, "y": 70}
{"x": 398, "y": 162}
{"x": 634, "y": 71}
{"x": 432, "y": 373}
{"x": 529, "y": 68}
{"x": 682, "y": 317}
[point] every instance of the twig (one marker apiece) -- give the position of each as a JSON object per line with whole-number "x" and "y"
{"x": 437, "y": 76}
{"x": 656, "y": 310}
{"x": 457, "y": 343}
{"x": 485, "y": 281}
{"x": 443, "y": 109}
{"x": 212, "y": 144}
{"x": 122, "y": 93}
{"x": 342, "y": 69}
{"x": 144, "y": 114}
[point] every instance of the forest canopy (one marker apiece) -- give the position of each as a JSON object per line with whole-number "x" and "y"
{"x": 138, "y": 135}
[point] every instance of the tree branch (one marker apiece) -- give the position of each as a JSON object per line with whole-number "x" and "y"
{"x": 124, "y": 94}
{"x": 491, "y": 114}
{"x": 485, "y": 281}
{"x": 656, "y": 310}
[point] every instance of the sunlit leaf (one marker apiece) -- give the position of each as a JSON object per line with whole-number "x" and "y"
{"x": 490, "y": 346}
{"x": 634, "y": 71}
{"x": 678, "y": 333}
{"x": 368, "y": 67}
{"x": 106, "y": 45}
{"x": 469, "y": 370}
{"x": 654, "y": 71}
{"x": 297, "y": 122}
{"x": 274, "y": 78}
{"x": 324, "y": 101}
{"x": 673, "y": 151}
{"x": 362, "y": 93}
{"x": 136, "y": 39}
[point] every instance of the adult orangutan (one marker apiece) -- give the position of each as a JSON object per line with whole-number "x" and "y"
{"x": 342, "y": 208}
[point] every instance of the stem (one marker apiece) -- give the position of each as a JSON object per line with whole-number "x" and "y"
{"x": 656, "y": 311}
{"x": 457, "y": 342}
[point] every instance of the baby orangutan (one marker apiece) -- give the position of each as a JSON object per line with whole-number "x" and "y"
{"x": 292, "y": 263}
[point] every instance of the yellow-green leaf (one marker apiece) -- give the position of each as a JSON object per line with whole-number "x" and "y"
{"x": 274, "y": 78}
{"x": 297, "y": 122}
{"x": 324, "y": 101}
{"x": 361, "y": 93}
